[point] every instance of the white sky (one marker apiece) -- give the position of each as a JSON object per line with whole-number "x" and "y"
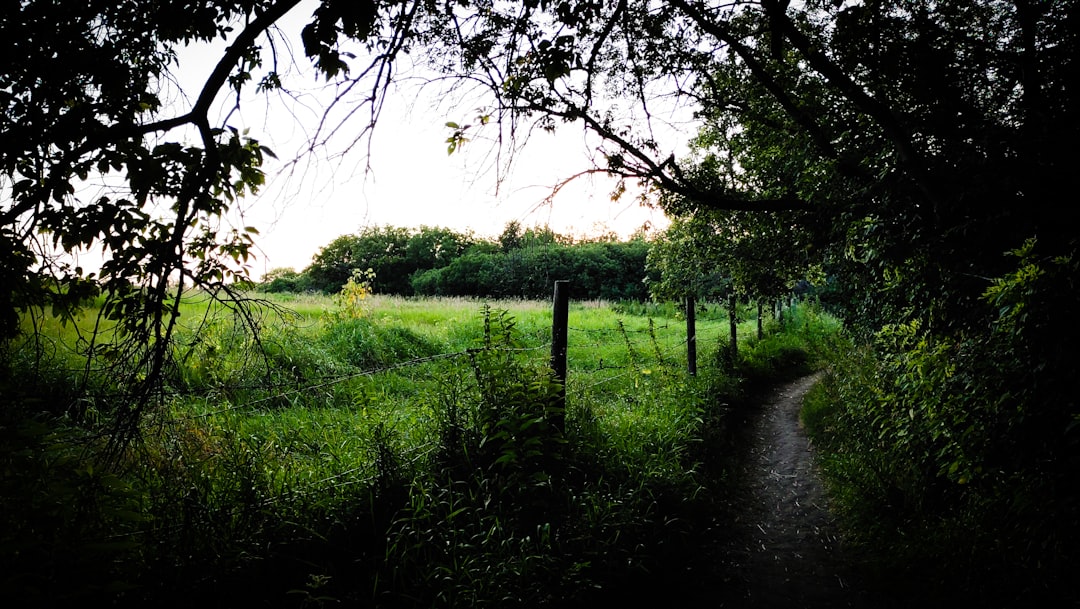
{"x": 413, "y": 181}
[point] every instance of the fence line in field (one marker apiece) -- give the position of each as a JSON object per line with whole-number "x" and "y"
{"x": 606, "y": 331}
{"x": 666, "y": 326}
{"x": 316, "y": 486}
{"x": 638, "y": 350}
{"x": 343, "y": 479}
{"x": 630, "y": 369}
{"x": 330, "y": 381}
{"x": 335, "y": 380}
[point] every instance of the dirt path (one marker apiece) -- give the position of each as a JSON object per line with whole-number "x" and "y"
{"x": 786, "y": 550}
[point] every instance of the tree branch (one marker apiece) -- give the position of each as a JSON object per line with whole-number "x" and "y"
{"x": 668, "y": 176}
{"x": 803, "y": 119}
{"x": 909, "y": 158}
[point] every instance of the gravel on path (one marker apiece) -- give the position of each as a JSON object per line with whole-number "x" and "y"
{"x": 786, "y": 549}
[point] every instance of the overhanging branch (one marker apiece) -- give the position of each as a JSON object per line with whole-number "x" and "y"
{"x": 667, "y": 175}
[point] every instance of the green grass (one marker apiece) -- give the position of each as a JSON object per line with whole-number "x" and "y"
{"x": 627, "y": 370}
{"x": 327, "y": 456}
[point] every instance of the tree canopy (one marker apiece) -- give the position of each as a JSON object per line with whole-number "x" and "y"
{"x": 393, "y": 254}
{"x": 940, "y": 130}
{"x": 432, "y": 261}
{"x": 914, "y": 141}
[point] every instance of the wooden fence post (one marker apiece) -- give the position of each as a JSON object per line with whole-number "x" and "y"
{"x": 733, "y": 321}
{"x": 559, "y": 323}
{"x": 691, "y": 337}
{"x": 760, "y": 328}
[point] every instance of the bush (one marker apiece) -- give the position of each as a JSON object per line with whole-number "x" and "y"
{"x": 609, "y": 271}
{"x": 962, "y": 449}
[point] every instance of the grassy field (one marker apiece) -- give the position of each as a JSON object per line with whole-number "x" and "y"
{"x": 329, "y": 382}
{"x": 397, "y": 454}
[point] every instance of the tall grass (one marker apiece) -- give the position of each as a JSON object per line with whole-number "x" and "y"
{"x": 406, "y": 457}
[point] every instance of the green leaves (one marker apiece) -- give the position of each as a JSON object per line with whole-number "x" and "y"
{"x": 610, "y": 271}
{"x": 332, "y": 21}
{"x": 457, "y": 137}
{"x": 1009, "y": 294}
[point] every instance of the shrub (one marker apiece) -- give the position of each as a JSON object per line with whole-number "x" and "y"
{"x": 960, "y": 448}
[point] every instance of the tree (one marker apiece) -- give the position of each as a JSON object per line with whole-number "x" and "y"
{"x": 394, "y": 254}
{"x": 917, "y": 136}
{"x": 683, "y": 262}
{"x": 88, "y": 160}
{"x": 383, "y": 249}
{"x": 610, "y": 271}
{"x": 284, "y": 280}
{"x": 435, "y": 247}
{"x": 710, "y": 254}
{"x": 510, "y": 238}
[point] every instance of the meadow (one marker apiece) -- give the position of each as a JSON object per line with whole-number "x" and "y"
{"x": 395, "y": 452}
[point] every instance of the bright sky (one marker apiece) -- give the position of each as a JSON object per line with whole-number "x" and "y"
{"x": 413, "y": 181}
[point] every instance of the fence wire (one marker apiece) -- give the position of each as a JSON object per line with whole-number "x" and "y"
{"x": 630, "y": 369}
{"x": 336, "y": 380}
{"x": 329, "y": 381}
{"x": 650, "y": 348}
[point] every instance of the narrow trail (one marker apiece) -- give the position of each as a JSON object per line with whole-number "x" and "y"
{"x": 786, "y": 549}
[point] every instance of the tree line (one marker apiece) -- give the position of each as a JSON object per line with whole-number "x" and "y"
{"x": 434, "y": 261}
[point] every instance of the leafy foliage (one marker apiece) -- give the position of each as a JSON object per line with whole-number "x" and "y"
{"x": 281, "y": 280}
{"x": 357, "y": 289}
{"x": 523, "y": 263}
{"x": 90, "y": 162}
{"x": 393, "y": 254}
{"x": 964, "y": 447}
{"x": 609, "y": 271}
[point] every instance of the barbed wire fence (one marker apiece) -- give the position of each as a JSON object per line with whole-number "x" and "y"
{"x": 664, "y": 345}
{"x": 652, "y": 346}
{"x": 647, "y": 341}
{"x": 653, "y": 341}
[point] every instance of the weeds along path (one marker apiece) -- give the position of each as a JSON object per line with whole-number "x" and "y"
{"x": 785, "y": 549}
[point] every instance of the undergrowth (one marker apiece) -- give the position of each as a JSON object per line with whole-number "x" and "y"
{"x": 953, "y": 456}
{"x": 356, "y": 460}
